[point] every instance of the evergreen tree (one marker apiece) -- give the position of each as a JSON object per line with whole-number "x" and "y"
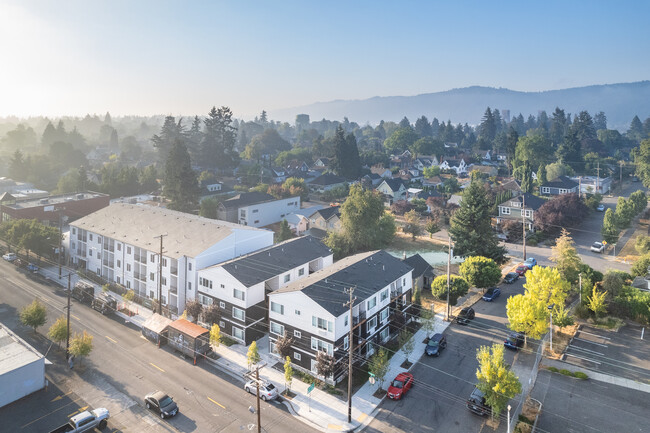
{"x": 170, "y": 133}
{"x": 542, "y": 121}
{"x": 584, "y": 127}
{"x": 49, "y": 136}
{"x": 18, "y": 167}
{"x": 285, "y": 232}
{"x": 635, "y": 132}
{"x": 600, "y": 121}
{"x": 404, "y": 123}
{"x": 218, "y": 145}
{"x": 570, "y": 151}
{"x": 435, "y": 127}
{"x": 107, "y": 119}
{"x": 471, "y": 229}
{"x": 488, "y": 127}
{"x": 181, "y": 186}
{"x": 610, "y": 227}
{"x": 423, "y": 127}
{"x": 511, "y": 144}
{"x": 113, "y": 143}
{"x": 527, "y": 178}
{"x": 194, "y": 139}
{"x": 558, "y": 126}
{"x": 263, "y": 118}
{"x": 541, "y": 174}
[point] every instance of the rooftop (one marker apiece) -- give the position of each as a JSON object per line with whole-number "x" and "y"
{"x": 327, "y": 179}
{"x": 14, "y": 351}
{"x": 327, "y": 212}
{"x": 247, "y": 199}
{"x": 561, "y": 182}
{"x": 188, "y": 328}
{"x": 54, "y": 200}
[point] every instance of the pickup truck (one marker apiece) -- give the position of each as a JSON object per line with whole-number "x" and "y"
{"x": 85, "y": 421}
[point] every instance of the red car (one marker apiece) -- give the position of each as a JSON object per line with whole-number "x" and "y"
{"x": 398, "y": 387}
{"x": 521, "y": 270}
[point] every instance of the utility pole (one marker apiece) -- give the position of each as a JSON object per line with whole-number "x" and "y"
{"x": 580, "y": 280}
{"x": 67, "y": 338}
{"x": 448, "y": 277}
{"x": 597, "y": 176}
{"x": 523, "y": 221}
{"x": 257, "y": 386}
{"x": 350, "y": 304}
{"x": 620, "y": 177}
{"x": 160, "y": 260}
{"x": 580, "y": 186}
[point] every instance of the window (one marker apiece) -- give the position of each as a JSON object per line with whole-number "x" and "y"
{"x": 323, "y": 324}
{"x": 296, "y": 312}
{"x": 119, "y": 247}
{"x": 74, "y": 231}
{"x": 255, "y": 210}
{"x": 151, "y": 294}
{"x": 152, "y": 276}
{"x": 317, "y": 344}
{"x": 164, "y": 281}
{"x": 372, "y": 323}
{"x": 297, "y": 356}
{"x": 238, "y": 313}
{"x": 546, "y": 190}
{"x": 118, "y": 280}
{"x": 99, "y": 239}
{"x": 205, "y": 282}
{"x": 128, "y": 267}
{"x": 256, "y": 221}
{"x": 563, "y": 191}
{"x": 164, "y": 262}
{"x": 128, "y": 284}
{"x": 90, "y": 253}
{"x": 237, "y": 333}
{"x": 346, "y": 342}
{"x": 90, "y": 236}
{"x": 128, "y": 250}
{"x": 384, "y": 334}
{"x": 238, "y": 294}
{"x": 189, "y": 266}
{"x": 222, "y": 286}
{"x": 372, "y": 303}
{"x": 528, "y": 213}
{"x": 242, "y": 213}
{"x": 383, "y": 316}
{"x": 222, "y": 324}
{"x": 301, "y": 272}
{"x": 384, "y": 295}
{"x": 152, "y": 258}
{"x": 297, "y": 334}
{"x": 222, "y": 304}
{"x": 345, "y": 320}
{"x": 277, "y": 308}
{"x": 277, "y": 329}
{"x": 189, "y": 286}
{"x": 287, "y": 278}
{"x": 505, "y": 210}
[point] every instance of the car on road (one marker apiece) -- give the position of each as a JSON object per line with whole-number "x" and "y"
{"x": 435, "y": 345}
{"x": 32, "y": 267}
{"x": 502, "y": 237}
{"x": 268, "y": 391}
{"x": 530, "y": 262}
{"x": 161, "y": 403}
{"x": 600, "y": 208}
{"x": 87, "y": 420}
{"x": 511, "y": 277}
{"x": 476, "y": 403}
{"x": 521, "y": 270}
{"x": 465, "y": 315}
{"x": 400, "y": 385}
{"x": 10, "y": 257}
{"x": 514, "y": 341}
{"x": 491, "y": 294}
{"x": 597, "y": 247}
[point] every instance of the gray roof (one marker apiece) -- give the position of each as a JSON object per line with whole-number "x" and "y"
{"x": 327, "y": 179}
{"x": 270, "y": 262}
{"x": 532, "y": 202}
{"x": 563, "y": 182}
{"x": 367, "y": 272}
{"x": 247, "y": 199}
{"x": 15, "y": 352}
{"x": 419, "y": 265}
{"x": 394, "y": 184}
{"x": 327, "y": 212}
{"x": 138, "y": 225}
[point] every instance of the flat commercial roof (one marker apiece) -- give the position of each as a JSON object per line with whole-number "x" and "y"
{"x": 14, "y": 351}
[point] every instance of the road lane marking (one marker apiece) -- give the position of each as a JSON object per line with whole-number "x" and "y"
{"x": 362, "y": 417}
{"x": 217, "y": 403}
{"x": 75, "y": 317}
{"x": 60, "y": 396}
{"x": 111, "y": 339}
{"x": 582, "y": 349}
{"x": 157, "y": 367}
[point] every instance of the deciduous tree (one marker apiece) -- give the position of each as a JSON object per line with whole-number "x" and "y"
{"x": 325, "y": 364}
{"x": 610, "y": 227}
{"x": 288, "y": 373}
{"x": 283, "y": 345}
{"x": 480, "y": 272}
{"x": 406, "y": 343}
{"x": 58, "y": 332}
{"x": 458, "y": 287}
{"x": 379, "y": 364}
{"x": 215, "y": 335}
{"x": 194, "y": 309}
{"x": 495, "y": 379}
{"x": 412, "y": 224}
{"x": 253, "y": 356}
{"x": 81, "y": 345}
{"x": 34, "y": 315}
{"x": 566, "y": 258}
{"x": 597, "y": 302}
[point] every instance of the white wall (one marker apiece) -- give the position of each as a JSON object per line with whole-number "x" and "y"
{"x": 269, "y": 212}
{"x": 293, "y": 301}
{"x": 22, "y": 381}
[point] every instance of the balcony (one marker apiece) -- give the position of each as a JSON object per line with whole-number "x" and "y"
{"x": 173, "y": 290}
{"x": 174, "y": 271}
{"x": 395, "y": 293}
{"x": 360, "y": 318}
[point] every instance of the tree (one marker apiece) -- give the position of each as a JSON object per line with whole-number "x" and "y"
{"x": 610, "y": 227}
{"x": 640, "y": 267}
{"x": 325, "y": 364}
{"x": 81, "y": 345}
{"x": 58, "y": 332}
{"x": 253, "y": 356}
{"x": 406, "y": 343}
{"x": 423, "y": 127}
{"x": 379, "y": 364}
{"x": 412, "y": 224}
{"x": 566, "y": 258}
{"x": 532, "y": 148}
{"x": 428, "y": 320}
{"x": 219, "y": 139}
{"x": 541, "y": 174}
{"x": 181, "y": 186}
{"x": 613, "y": 283}
{"x": 635, "y": 132}
{"x": 600, "y": 121}
{"x": 597, "y": 302}
{"x": 283, "y": 345}
{"x": 639, "y": 201}
{"x": 430, "y": 172}
{"x": 400, "y": 140}
{"x": 170, "y": 133}
{"x": 566, "y": 210}
{"x": 288, "y": 373}
{"x": 296, "y": 187}
{"x": 285, "y": 232}
{"x": 431, "y": 227}
{"x": 471, "y": 229}
{"x": 215, "y": 335}
{"x": 209, "y": 207}
{"x": 642, "y": 162}
{"x": 34, "y": 315}
{"x": 495, "y": 379}
{"x": 212, "y": 313}
{"x": 128, "y": 297}
{"x": 480, "y": 272}
{"x": 488, "y": 127}
{"x": 458, "y": 287}
{"x": 194, "y": 309}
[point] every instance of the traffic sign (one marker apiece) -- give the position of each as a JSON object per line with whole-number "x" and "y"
{"x": 311, "y": 388}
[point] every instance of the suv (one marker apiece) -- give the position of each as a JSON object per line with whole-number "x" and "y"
{"x": 476, "y": 403}
{"x": 514, "y": 341}
{"x": 511, "y": 277}
{"x": 435, "y": 345}
{"x": 465, "y": 315}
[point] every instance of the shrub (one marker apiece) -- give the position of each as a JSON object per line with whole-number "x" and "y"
{"x": 553, "y": 369}
{"x": 582, "y": 312}
{"x": 642, "y": 244}
{"x": 525, "y": 419}
{"x": 580, "y": 375}
{"x": 566, "y": 372}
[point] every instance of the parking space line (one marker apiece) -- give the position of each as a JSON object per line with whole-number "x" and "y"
{"x": 50, "y": 413}
{"x": 595, "y": 335}
{"x": 217, "y": 403}
{"x": 584, "y": 359}
{"x": 592, "y": 342}
{"x": 111, "y": 339}
{"x": 59, "y": 397}
{"x": 154, "y": 365}
{"x": 586, "y": 350}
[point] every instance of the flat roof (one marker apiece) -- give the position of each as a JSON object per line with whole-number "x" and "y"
{"x": 14, "y": 351}
{"x": 55, "y": 199}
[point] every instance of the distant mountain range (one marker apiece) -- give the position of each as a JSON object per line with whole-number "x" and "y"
{"x": 620, "y": 102}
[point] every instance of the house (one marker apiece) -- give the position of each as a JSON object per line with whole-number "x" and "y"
{"x": 511, "y": 185}
{"x": 393, "y": 189}
{"x": 434, "y": 182}
{"x": 48, "y": 210}
{"x": 326, "y": 182}
{"x": 215, "y": 189}
{"x": 512, "y": 208}
{"x": 489, "y": 170}
{"x": 458, "y": 165}
{"x": 313, "y": 311}
{"x": 455, "y": 199}
{"x": 593, "y": 184}
{"x": 322, "y": 162}
{"x": 256, "y": 209}
{"x": 402, "y": 160}
{"x": 423, "y": 274}
{"x": 485, "y": 155}
{"x": 121, "y": 244}
{"x": 327, "y": 219}
{"x": 381, "y": 171}
{"x": 372, "y": 179}
{"x": 425, "y": 161}
{"x": 558, "y": 186}
{"x": 296, "y": 167}
{"x": 240, "y": 287}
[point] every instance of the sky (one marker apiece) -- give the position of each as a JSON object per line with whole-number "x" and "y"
{"x": 147, "y": 57}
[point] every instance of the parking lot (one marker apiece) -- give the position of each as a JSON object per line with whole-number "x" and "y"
{"x": 622, "y": 353}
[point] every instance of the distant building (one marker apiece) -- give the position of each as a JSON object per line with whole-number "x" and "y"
{"x": 559, "y": 186}
{"x": 256, "y": 209}
{"x": 47, "y": 210}
{"x": 593, "y": 184}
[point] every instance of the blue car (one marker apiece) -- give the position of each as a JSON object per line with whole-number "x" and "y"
{"x": 514, "y": 341}
{"x": 530, "y": 262}
{"x": 491, "y": 294}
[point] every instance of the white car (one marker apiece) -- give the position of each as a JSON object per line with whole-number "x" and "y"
{"x": 598, "y": 247}
{"x": 268, "y": 391}
{"x": 10, "y": 257}
{"x": 601, "y": 208}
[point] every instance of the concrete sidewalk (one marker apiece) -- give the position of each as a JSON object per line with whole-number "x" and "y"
{"x": 601, "y": 377}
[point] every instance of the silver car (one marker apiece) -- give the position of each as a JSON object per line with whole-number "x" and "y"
{"x": 268, "y": 391}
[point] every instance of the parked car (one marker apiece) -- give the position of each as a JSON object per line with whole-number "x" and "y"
{"x": 32, "y": 267}
{"x": 10, "y": 257}
{"x": 511, "y": 277}
{"x": 514, "y": 341}
{"x": 268, "y": 391}
{"x": 600, "y": 208}
{"x": 465, "y": 315}
{"x": 161, "y": 403}
{"x": 530, "y": 262}
{"x": 597, "y": 247}
{"x": 491, "y": 294}
{"x": 400, "y": 385}
{"x": 521, "y": 270}
{"x": 502, "y": 237}
{"x": 635, "y": 179}
{"x": 435, "y": 345}
{"x": 87, "y": 420}
{"x": 476, "y": 403}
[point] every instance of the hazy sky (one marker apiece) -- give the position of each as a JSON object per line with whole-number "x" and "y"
{"x": 183, "y": 57}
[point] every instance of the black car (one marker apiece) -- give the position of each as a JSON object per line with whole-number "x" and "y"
{"x": 476, "y": 403}
{"x": 161, "y": 403}
{"x": 514, "y": 341}
{"x": 465, "y": 315}
{"x": 435, "y": 345}
{"x": 511, "y": 277}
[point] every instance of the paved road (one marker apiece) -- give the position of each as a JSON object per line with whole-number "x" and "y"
{"x": 123, "y": 367}
{"x": 437, "y": 402}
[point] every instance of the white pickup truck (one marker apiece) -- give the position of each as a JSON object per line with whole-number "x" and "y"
{"x": 85, "y": 421}
{"x": 598, "y": 247}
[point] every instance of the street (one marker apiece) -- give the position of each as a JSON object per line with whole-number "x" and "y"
{"x": 124, "y": 366}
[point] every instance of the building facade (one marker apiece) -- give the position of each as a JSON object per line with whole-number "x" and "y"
{"x": 47, "y": 210}
{"x": 256, "y": 209}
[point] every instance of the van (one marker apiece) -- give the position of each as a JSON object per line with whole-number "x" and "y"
{"x": 476, "y": 403}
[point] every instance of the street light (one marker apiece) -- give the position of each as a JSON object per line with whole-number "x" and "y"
{"x": 550, "y": 309}
{"x": 509, "y": 418}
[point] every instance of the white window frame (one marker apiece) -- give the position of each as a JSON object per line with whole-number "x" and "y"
{"x": 287, "y": 278}
{"x": 383, "y": 316}
{"x": 279, "y": 329}
{"x": 372, "y": 321}
{"x": 505, "y": 210}
{"x": 243, "y": 314}
{"x": 301, "y": 272}
{"x": 297, "y": 333}
{"x": 346, "y": 342}
{"x": 243, "y": 294}
{"x": 372, "y": 301}
{"x": 274, "y": 308}
{"x": 297, "y": 356}
{"x": 234, "y": 331}
{"x": 385, "y": 331}
{"x": 384, "y": 293}
{"x": 222, "y": 304}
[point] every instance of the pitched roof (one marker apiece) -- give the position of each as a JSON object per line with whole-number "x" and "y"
{"x": 247, "y": 199}
{"x": 188, "y": 328}
{"x": 419, "y": 265}
{"x": 138, "y": 225}
{"x": 511, "y": 185}
{"x": 328, "y": 212}
{"x": 394, "y": 183}
{"x": 563, "y": 182}
{"x": 367, "y": 272}
{"x": 270, "y": 262}
{"x": 532, "y": 201}
{"x": 327, "y": 179}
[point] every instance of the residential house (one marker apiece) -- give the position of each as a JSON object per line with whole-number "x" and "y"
{"x": 455, "y": 199}
{"x": 393, "y": 190}
{"x": 326, "y": 182}
{"x": 558, "y": 186}
{"x": 326, "y": 219}
{"x": 434, "y": 182}
{"x": 313, "y": 311}
{"x": 423, "y": 274}
{"x": 322, "y": 162}
{"x": 297, "y": 168}
{"x": 458, "y": 165}
{"x": 299, "y": 220}
{"x": 241, "y": 286}
{"x": 402, "y": 160}
{"x": 511, "y": 185}
{"x": 371, "y": 180}
{"x": 256, "y": 209}
{"x": 489, "y": 170}
{"x": 381, "y": 171}
{"x": 512, "y": 209}
{"x": 485, "y": 155}
{"x": 593, "y": 184}
{"x": 277, "y": 174}
{"x": 425, "y": 161}
{"x": 215, "y": 189}
{"x": 121, "y": 243}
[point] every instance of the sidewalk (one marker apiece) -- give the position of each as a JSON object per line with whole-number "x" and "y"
{"x": 601, "y": 377}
